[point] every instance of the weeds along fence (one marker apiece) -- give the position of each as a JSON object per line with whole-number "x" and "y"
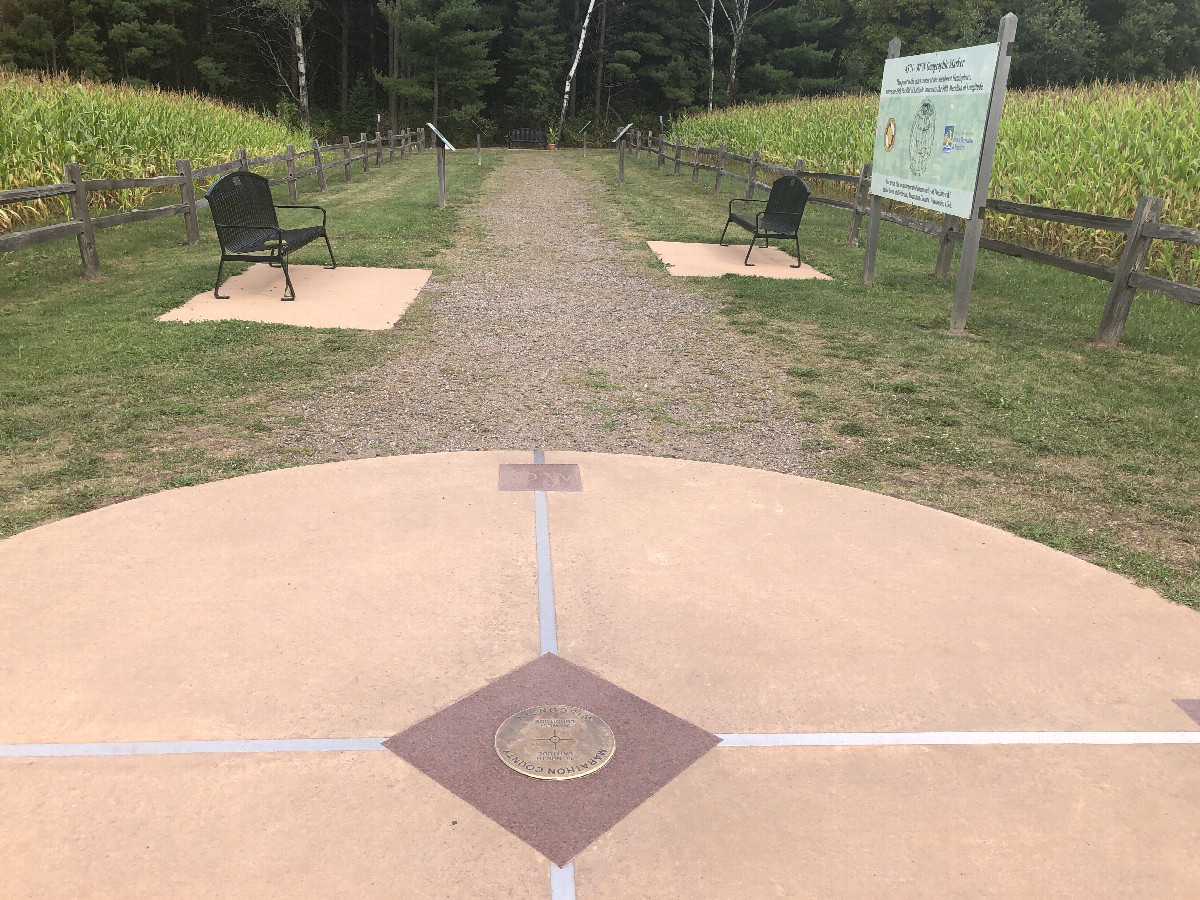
{"x": 82, "y": 226}
{"x": 1126, "y": 277}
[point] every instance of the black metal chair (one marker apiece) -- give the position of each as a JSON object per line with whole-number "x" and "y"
{"x": 780, "y": 219}
{"x": 243, "y": 212}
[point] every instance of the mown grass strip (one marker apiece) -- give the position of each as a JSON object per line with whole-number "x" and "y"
{"x": 100, "y": 403}
{"x": 1022, "y": 424}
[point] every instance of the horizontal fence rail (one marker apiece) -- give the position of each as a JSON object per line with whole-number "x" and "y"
{"x": 82, "y": 225}
{"x": 1126, "y": 277}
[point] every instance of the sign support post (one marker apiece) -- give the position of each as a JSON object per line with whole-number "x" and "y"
{"x": 876, "y": 204}
{"x": 974, "y": 227}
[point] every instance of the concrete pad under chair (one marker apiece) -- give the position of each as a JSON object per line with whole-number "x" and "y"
{"x": 345, "y": 297}
{"x": 713, "y": 260}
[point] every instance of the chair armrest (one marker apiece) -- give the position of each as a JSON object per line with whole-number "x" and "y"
{"x": 741, "y": 200}
{"x": 324, "y": 215}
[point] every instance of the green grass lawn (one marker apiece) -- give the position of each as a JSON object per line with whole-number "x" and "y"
{"x": 100, "y": 403}
{"x": 1022, "y": 424}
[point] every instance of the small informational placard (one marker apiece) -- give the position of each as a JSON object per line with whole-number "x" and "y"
{"x": 622, "y": 132}
{"x": 441, "y": 137}
{"x": 933, "y": 114}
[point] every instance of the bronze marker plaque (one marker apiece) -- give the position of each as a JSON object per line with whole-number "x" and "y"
{"x": 555, "y": 742}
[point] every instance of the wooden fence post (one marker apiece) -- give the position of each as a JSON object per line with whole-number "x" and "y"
{"x": 720, "y": 167}
{"x": 872, "y": 249}
{"x": 946, "y": 247}
{"x": 973, "y": 227}
{"x": 478, "y": 149}
{"x": 637, "y": 144}
{"x": 187, "y": 195}
{"x": 321, "y": 182}
{"x": 421, "y": 139}
{"x": 291, "y": 167}
{"x": 378, "y": 150}
{"x": 80, "y": 213}
{"x": 662, "y": 156}
{"x": 696, "y": 164}
{"x": 391, "y": 145}
{"x": 678, "y": 151}
{"x": 798, "y": 168}
{"x": 362, "y": 139}
{"x": 1133, "y": 259}
{"x": 346, "y": 155}
{"x": 241, "y": 155}
{"x": 861, "y": 193}
{"x": 585, "y": 145}
{"x": 621, "y": 161}
{"x": 750, "y": 180}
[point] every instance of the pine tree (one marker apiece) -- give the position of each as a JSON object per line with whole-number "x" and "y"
{"x": 445, "y": 47}
{"x": 537, "y": 59}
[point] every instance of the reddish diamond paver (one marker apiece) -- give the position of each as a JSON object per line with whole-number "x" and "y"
{"x": 540, "y": 477}
{"x": 456, "y": 748}
{"x": 1191, "y": 707}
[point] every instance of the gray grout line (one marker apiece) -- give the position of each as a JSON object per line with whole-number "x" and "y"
{"x": 548, "y": 630}
{"x": 952, "y": 738}
{"x": 562, "y": 882}
{"x": 149, "y": 748}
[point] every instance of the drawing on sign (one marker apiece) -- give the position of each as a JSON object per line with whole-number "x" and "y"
{"x": 920, "y": 142}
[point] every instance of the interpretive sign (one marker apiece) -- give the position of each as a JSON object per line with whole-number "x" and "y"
{"x": 933, "y": 120}
{"x": 555, "y": 742}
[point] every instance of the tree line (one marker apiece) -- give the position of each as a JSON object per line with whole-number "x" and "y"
{"x": 344, "y": 66}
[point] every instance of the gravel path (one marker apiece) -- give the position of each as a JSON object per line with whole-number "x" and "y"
{"x": 556, "y": 338}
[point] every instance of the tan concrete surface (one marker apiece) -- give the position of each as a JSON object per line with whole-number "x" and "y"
{"x": 713, "y": 260}
{"x": 355, "y": 599}
{"x": 250, "y": 825}
{"x": 1005, "y": 822}
{"x": 748, "y": 601}
{"x": 343, "y": 600}
{"x": 345, "y": 297}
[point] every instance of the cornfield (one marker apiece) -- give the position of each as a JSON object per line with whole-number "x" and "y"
{"x": 1094, "y": 148}
{"x": 114, "y": 131}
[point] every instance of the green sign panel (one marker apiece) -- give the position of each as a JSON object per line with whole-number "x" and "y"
{"x": 933, "y": 112}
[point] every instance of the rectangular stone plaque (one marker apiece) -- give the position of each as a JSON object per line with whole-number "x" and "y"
{"x": 540, "y": 477}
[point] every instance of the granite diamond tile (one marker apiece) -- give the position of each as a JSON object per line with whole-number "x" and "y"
{"x": 1191, "y": 707}
{"x": 456, "y": 748}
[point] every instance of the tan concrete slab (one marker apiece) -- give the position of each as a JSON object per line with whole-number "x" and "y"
{"x": 345, "y": 297}
{"x": 713, "y": 260}
{"x": 1094, "y": 822}
{"x": 749, "y": 601}
{"x": 343, "y": 600}
{"x": 259, "y": 825}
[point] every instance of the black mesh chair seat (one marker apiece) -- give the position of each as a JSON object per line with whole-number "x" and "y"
{"x": 244, "y": 214}
{"x": 780, "y": 219}
{"x": 261, "y": 240}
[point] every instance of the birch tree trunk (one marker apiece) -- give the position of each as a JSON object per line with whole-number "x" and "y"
{"x": 712, "y": 59}
{"x": 571, "y": 75}
{"x": 737, "y": 28}
{"x": 344, "y": 95}
{"x": 301, "y": 66}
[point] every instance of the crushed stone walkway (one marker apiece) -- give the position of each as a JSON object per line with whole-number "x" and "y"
{"x": 549, "y": 334}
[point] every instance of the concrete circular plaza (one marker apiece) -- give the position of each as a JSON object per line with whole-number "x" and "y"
{"x": 879, "y": 699}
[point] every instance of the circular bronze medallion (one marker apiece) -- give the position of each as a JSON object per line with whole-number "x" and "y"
{"x": 555, "y": 742}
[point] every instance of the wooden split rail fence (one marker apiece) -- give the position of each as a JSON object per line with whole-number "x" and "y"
{"x": 82, "y": 225}
{"x": 1126, "y": 277}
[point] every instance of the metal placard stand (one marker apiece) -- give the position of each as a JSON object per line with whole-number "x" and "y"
{"x": 442, "y": 145}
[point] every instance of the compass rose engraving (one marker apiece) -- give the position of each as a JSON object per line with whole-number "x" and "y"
{"x": 579, "y": 742}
